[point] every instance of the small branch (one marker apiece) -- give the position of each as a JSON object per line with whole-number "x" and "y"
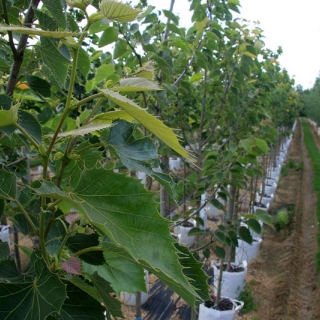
{"x": 18, "y": 57}
{"x": 6, "y": 19}
{"x": 25, "y": 213}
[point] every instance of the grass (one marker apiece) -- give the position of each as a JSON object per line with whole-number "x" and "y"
{"x": 283, "y": 218}
{"x": 249, "y": 302}
{"x": 291, "y": 165}
{"x": 315, "y": 160}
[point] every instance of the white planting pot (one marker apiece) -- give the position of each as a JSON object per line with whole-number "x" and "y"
{"x": 255, "y": 208}
{"x": 5, "y": 233}
{"x": 203, "y": 216}
{"x": 253, "y": 233}
{"x": 232, "y": 283}
{"x": 211, "y": 210}
{"x": 183, "y": 237}
{"x": 267, "y": 201}
{"x": 174, "y": 164}
{"x": 246, "y": 251}
{"x": 130, "y": 298}
{"x": 211, "y": 314}
{"x": 143, "y": 177}
{"x": 270, "y": 189}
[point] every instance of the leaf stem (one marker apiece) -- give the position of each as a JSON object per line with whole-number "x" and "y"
{"x": 86, "y": 250}
{"x": 26, "y": 214}
{"x": 27, "y": 135}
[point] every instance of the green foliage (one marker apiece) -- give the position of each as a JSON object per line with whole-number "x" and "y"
{"x": 248, "y": 298}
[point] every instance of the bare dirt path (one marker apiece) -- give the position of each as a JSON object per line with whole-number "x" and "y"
{"x": 284, "y": 278}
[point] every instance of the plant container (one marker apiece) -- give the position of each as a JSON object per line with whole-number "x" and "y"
{"x": 175, "y": 164}
{"x": 182, "y": 232}
{"x": 5, "y": 233}
{"x": 206, "y": 311}
{"x": 246, "y": 251}
{"x": 233, "y": 281}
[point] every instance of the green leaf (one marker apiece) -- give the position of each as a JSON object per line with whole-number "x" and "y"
{"x": 56, "y": 10}
{"x": 112, "y": 305}
{"x": 9, "y": 117}
{"x": 103, "y": 73}
{"x": 167, "y": 182}
{"x": 8, "y": 185}
{"x": 4, "y": 251}
{"x": 1, "y": 207}
{"x": 45, "y": 20}
{"x": 79, "y": 305}
{"x": 254, "y": 225}
{"x": 219, "y": 252}
{"x": 108, "y": 36}
{"x": 121, "y": 269}
{"x": 4, "y": 65}
{"x": 171, "y": 16}
{"x": 245, "y": 234}
{"x": 131, "y": 151}
{"x": 122, "y": 209}
{"x": 38, "y": 85}
{"x": 83, "y": 62}
{"x": 121, "y": 48}
{"x": 154, "y": 125}
{"x": 117, "y": 11}
{"x": 220, "y": 236}
{"x": 264, "y": 217}
{"x": 192, "y": 266}
{"x": 109, "y": 117}
{"x": 55, "y": 61}
{"x": 29, "y": 123}
{"x": 196, "y": 77}
{"x": 89, "y": 128}
{"x": 35, "y": 299}
{"x": 262, "y": 145}
{"x": 136, "y": 84}
{"x": 233, "y": 237}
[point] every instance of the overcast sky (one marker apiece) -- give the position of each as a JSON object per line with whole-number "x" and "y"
{"x": 294, "y": 25}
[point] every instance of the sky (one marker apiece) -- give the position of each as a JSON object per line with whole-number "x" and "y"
{"x": 294, "y": 25}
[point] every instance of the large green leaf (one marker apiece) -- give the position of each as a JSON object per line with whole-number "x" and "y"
{"x": 39, "y": 85}
{"x": 123, "y": 210}
{"x": 108, "y": 36}
{"x": 131, "y": 151}
{"x": 31, "y": 300}
{"x": 83, "y": 62}
{"x": 154, "y": 125}
{"x": 117, "y": 11}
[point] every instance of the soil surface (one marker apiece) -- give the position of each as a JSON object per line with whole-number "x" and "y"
{"x": 283, "y": 278}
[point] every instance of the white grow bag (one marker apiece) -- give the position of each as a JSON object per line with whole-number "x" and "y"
{"x": 5, "y": 233}
{"x": 182, "y": 233}
{"x": 246, "y": 251}
{"x": 232, "y": 283}
{"x": 211, "y": 314}
{"x": 130, "y": 298}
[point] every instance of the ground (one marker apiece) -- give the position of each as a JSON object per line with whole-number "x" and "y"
{"x": 284, "y": 278}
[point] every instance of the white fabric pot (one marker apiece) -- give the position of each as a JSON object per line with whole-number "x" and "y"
{"x": 270, "y": 189}
{"x": 130, "y": 298}
{"x": 174, "y": 164}
{"x": 183, "y": 237}
{"x": 255, "y": 208}
{"x": 246, "y": 251}
{"x": 232, "y": 283}
{"x": 211, "y": 314}
{"x": 143, "y": 177}
{"x": 203, "y": 216}
{"x": 5, "y": 233}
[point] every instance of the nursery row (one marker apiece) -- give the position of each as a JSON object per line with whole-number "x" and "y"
{"x": 96, "y": 93}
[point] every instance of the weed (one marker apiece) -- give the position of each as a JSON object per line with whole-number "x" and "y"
{"x": 249, "y": 302}
{"x": 284, "y": 171}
